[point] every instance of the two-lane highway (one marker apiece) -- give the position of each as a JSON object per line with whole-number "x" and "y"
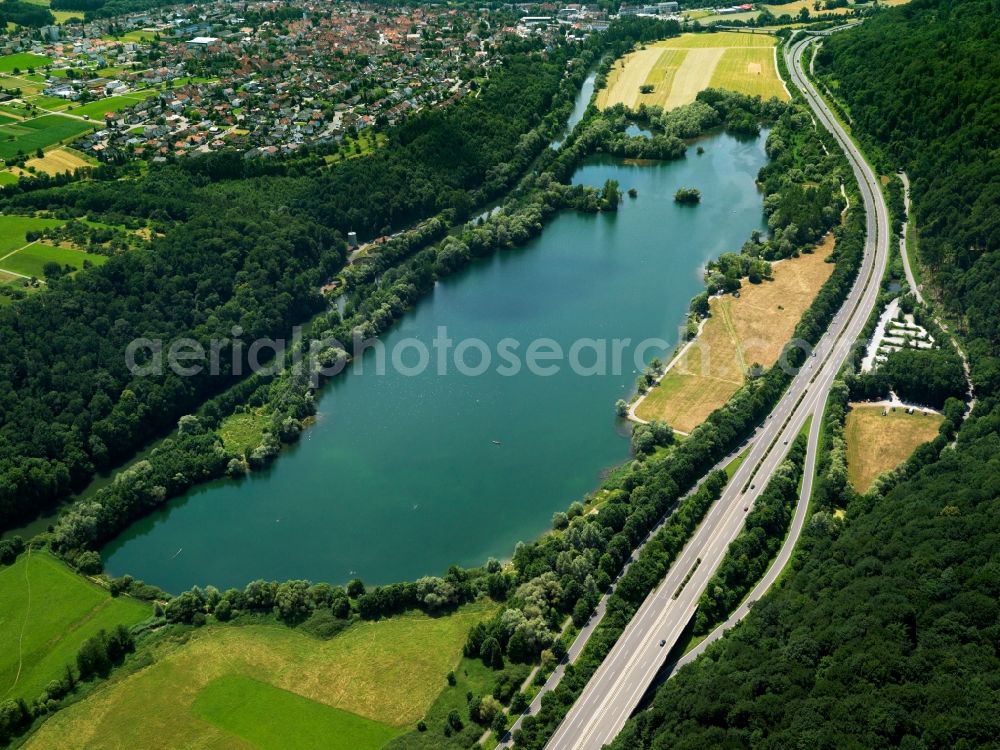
{"x": 620, "y": 682}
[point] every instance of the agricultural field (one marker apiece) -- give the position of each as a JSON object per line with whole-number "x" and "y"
{"x": 46, "y": 612}
{"x": 202, "y": 691}
{"x": 27, "y": 136}
{"x": 22, "y": 61}
{"x": 59, "y": 160}
{"x": 749, "y": 69}
{"x": 677, "y": 69}
{"x": 48, "y": 102}
{"x": 794, "y": 8}
{"x": 741, "y": 331}
{"x": 714, "y": 18}
{"x": 876, "y": 443}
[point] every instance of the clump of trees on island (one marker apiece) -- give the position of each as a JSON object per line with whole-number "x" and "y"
{"x": 687, "y": 195}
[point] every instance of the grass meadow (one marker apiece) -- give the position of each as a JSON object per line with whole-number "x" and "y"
{"x": 96, "y": 110}
{"x": 22, "y": 61}
{"x": 378, "y": 679}
{"x": 241, "y": 433}
{"x": 14, "y": 228}
{"x": 31, "y": 260}
{"x": 246, "y": 708}
{"x": 46, "y": 612}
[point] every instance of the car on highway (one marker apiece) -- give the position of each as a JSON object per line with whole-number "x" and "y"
{"x": 663, "y": 643}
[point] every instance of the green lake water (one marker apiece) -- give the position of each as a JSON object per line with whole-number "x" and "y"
{"x": 400, "y": 476}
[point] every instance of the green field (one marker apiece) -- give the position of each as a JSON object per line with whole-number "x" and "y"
{"x": 388, "y": 672}
{"x": 22, "y": 61}
{"x": 31, "y": 260}
{"x": 13, "y": 229}
{"x": 49, "y": 102}
{"x": 46, "y": 612}
{"x": 96, "y": 110}
{"x": 241, "y": 433}
{"x": 132, "y": 36}
{"x": 750, "y": 70}
{"x": 246, "y": 707}
{"x": 29, "y": 135}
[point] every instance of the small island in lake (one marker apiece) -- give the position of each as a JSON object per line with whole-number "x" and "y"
{"x": 687, "y": 195}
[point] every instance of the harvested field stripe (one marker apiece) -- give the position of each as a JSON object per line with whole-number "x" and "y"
{"x": 693, "y": 75}
{"x": 661, "y": 77}
{"x": 638, "y": 66}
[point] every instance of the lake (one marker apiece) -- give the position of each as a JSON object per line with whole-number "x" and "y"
{"x": 401, "y": 475}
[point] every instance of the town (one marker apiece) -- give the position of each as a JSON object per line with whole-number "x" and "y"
{"x": 259, "y": 77}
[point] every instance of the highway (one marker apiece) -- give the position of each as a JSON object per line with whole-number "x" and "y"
{"x": 623, "y": 678}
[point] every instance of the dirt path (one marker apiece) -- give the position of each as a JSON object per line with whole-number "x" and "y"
{"x": 24, "y": 625}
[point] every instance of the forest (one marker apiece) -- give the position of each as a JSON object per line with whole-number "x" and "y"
{"x": 932, "y": 111}
{"x": 25, "y": 14}
{"x": 884, "y": 632}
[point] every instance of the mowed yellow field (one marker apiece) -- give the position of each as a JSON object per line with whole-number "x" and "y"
{"x": 679, "y": 68}
{"x": 877, "y": 443}
{"x": 58, "y": 160}
{"x": 749, "y": 69}
{"x": 793, "y": 9}
{"x": 741, "y": 331}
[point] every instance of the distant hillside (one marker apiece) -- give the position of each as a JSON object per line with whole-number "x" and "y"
{"x": 887, "y": 631}
{"x": 921, "y": 82}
